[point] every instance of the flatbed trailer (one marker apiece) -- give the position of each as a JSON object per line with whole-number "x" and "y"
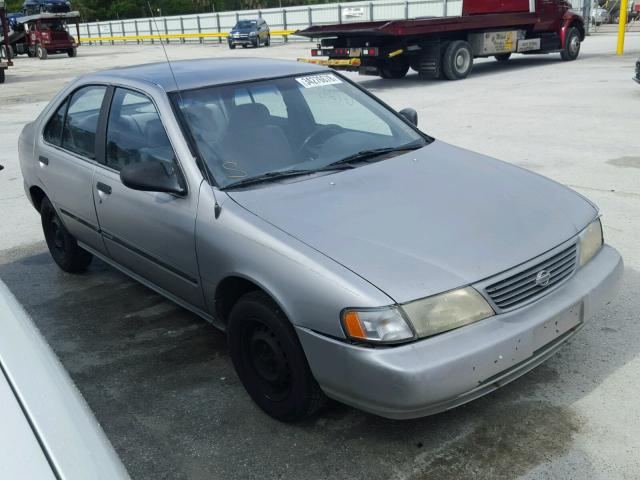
{"x": 5, "y": 49}
{"x": 446, "y": 46}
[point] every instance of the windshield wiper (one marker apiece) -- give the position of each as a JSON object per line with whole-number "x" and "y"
{"x": 270, "y": 176}
{"x": 365, "y": 155}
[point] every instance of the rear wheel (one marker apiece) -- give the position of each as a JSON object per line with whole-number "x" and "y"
{"x": 63, "y": 247}
{"x": 457, "y": 60}
{"x": 267, "y": 43}
{"x": 394, "y": 68}
{"x": 41, "y": 52}
{"x": 503, "y": 57}
{"x": 72, "y": 52}
{"x": 572, "y": 43}
{"x": 232, "y": 46}
{"x": 269, "y": 359}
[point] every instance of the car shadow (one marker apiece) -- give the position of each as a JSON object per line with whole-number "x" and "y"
{"x": 160, "y": 381}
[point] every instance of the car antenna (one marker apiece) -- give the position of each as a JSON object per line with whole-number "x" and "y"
{"x": 217, "y": 208}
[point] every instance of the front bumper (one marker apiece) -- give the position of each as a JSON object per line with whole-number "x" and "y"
{"x": 442, "y": 372}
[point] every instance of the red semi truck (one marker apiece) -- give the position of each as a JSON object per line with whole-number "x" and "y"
{"x": 446, "y": 46}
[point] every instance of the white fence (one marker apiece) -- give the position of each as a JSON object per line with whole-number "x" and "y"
{"x": 211, "y": 27}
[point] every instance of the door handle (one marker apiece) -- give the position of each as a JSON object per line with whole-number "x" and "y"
{"x": 43, "y": 160}
{"x": 103, "y": 188}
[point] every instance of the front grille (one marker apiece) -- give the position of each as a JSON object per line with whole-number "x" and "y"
{"x": 521, "y": 287}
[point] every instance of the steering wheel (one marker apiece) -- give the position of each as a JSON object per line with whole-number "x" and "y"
{"x": 321, "y": 134}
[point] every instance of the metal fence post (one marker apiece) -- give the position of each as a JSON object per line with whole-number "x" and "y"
{"x": 166, "y": 29}
{"x": 111, "y": 32}
{"x": 284, "y": 24}
{"x": 237, "y": 17}
{"x": 445, "y": 8}
{"x": 310, "y": 12}
{"x": 135, "y": 25}
{"x": 259, "y": 13}
{"x": 406, "y": 9}
{"x": 371, "y": 11}
{"x": 88, "y": 33}
{"x": 182, "y": 40}
{"x": 218, "y": 24}
{"x": 339, "y": 13}
{"x": 122, "y": 28}
{"x": 199, "y": 28}
{"x": 151, "y": 31}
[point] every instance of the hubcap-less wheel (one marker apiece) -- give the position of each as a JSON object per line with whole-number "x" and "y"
{"x": 269, "y": 362}
{"x": 457, "y": 60}
{"x": 462, "y": 61}
{"x": 574, "y": 45}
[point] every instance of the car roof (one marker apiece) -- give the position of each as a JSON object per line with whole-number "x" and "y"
{"x": 190, "y": 74}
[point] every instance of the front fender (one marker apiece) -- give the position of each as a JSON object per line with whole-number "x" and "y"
{"x": 570, "y": 19}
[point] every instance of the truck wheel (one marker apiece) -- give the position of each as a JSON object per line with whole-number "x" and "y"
{"x": 503, "y": 57}
{"x": 41, "y": 53}
{"x": 63, "y": 247}
{"x": 72, "y": 52}
{"x": 1, "y": 75}
{"x": 572, "y": 45}
{"x": 269, "y": 359}
{"x": 457, "y": 61}
{"x": 394, "y": 68}
{"x": 232, "y": 46}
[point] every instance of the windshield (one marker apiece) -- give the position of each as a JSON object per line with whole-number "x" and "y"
{"x": 245, "y": 24}
{"x": 303, "y": 123}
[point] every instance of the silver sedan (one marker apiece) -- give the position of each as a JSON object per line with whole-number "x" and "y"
{"x": 346, "y": 253}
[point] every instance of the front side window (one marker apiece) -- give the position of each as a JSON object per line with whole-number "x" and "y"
{"x": 53, "y": 131}
{"x": 135, "y": 132}
{"x": 302, "y": 123}
{"x": 81, "y": 122}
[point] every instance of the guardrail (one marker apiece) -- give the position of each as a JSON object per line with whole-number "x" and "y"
{"x": 170, "y": 36}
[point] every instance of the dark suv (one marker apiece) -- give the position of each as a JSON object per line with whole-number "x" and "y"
{"x": 249, "y": 32}
{"x": 33, "y": 7}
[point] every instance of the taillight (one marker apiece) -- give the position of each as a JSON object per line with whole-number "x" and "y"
{"x": 316, "y": 52}
{"x": 372, "y": 52}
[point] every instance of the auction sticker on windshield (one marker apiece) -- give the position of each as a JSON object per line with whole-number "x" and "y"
{"x": 321, "y": 80}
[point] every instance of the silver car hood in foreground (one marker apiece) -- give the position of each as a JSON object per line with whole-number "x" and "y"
{"x": 427, "y": 221}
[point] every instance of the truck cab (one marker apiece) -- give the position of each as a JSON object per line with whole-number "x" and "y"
{"x": 46, "y": 34}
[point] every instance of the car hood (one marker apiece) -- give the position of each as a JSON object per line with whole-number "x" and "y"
{"x": 425, "y": 222}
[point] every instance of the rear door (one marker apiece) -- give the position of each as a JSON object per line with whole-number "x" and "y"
{"x": 150, "y": 234}
{"x": 67, "y": 160}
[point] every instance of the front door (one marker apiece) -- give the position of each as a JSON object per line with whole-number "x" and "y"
{"x": 150, "y": 234}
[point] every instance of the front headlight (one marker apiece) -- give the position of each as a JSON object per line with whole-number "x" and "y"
{"x": 376, "y": 325}
{"x": 591, "y": 240}
{"x": 253, "y": 34}
{"x": 447, "y": 311}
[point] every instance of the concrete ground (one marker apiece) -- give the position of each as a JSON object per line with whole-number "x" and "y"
{"x": 161, "y": 381}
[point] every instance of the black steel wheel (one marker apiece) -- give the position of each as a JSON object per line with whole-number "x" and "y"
{"x": 269, "y": 359}
{"x": 572, "y": 44}
{"x": 72, "y": 52}
{"x": 503, "y": 57}
{"x": 457, "y": 60}
{"x": 63, "y": 247}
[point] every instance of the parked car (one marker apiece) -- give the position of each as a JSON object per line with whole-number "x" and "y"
{"x": 48, "y": 430}
{"x": 599, "y": 16}
{"x": 249, "y": 32}
{"x": 344, "y": 251}
{"x": 33, "y": 7}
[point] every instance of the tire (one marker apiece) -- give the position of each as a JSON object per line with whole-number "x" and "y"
{"x": 572, "y": 43}
{"x": 394, "y": 69}
{"x": 269, "y": 359}
{"x": 232, "y": 46}
{"x": 267, "y": 43}
{"x": 457, "y": 60}
{"x": 2, "y": 76}
{"x": 30, "y": 54}
{"x": 63, "y": 247}
{"x": 41, "y": 53}
{"x": 72, "y": 52}
{"x": 503, "y": 57}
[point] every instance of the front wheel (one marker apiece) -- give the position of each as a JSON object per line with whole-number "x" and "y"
{"x": 269, "y": 359}
{"x": 63, "y": 247}
{"x": 2, "y": 77}
{"x": 572, "y": 45}
{"x": 72, "y": 52}
{"x": 457, "y": 61}
{"x": 267, "y": 43}
{"x": 232, "y": 46}
{"x": 41, "y": 52}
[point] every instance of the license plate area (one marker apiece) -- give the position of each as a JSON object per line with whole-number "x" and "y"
{"x": 558, "y": 326}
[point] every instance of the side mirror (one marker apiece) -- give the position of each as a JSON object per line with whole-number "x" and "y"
{"x": 152, "y": 176}
{"x": 410, "y": 114}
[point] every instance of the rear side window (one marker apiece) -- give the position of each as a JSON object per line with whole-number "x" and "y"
{"x": 53, "y": 131}
{"x": 81, "y": 123}
{"x": 135, "y": 132}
